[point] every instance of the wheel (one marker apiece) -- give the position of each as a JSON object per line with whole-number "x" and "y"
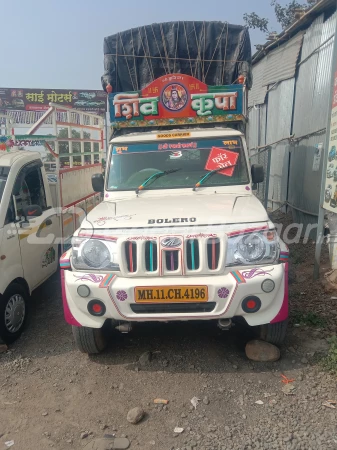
{"x": 274, "y": 333}
{"x": 13, "y": 312}
{"x": 89, "y": 340}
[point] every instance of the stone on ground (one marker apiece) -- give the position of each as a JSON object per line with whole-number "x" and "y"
{"x": 135, "y": 415}
{"x": 145, "y": 359}
{"x": 262, "y": 351}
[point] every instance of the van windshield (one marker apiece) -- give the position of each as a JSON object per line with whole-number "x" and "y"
{"x": 3, "y": 178}
{"x": 184, "y": 161}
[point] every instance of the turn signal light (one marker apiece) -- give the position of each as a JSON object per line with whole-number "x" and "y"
{"x": 251, "y": 304}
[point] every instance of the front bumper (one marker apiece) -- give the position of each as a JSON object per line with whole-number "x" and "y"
{"x": 226, "y": 293}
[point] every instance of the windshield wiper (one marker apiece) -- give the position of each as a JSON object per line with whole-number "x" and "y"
{"x": 154, "y": 177}
{"x": 209, "y": 174}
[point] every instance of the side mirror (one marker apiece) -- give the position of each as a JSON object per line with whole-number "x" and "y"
{"x": 97, "y": 182}
{"x": 32, "y": 211}
{"x": 257, "y": 173}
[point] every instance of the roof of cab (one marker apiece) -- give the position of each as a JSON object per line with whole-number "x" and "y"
{"x": 189, "y": 133}
{"x": 8, "y": 158}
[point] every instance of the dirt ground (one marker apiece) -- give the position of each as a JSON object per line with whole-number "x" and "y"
{"x": 53, "y": 396}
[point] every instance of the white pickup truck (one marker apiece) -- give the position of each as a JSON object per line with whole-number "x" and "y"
{"x": 39, "y": 211}
{"x": 175, "y": 240}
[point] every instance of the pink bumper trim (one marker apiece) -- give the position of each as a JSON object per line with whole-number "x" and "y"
{"x": 67, "y": 313}
{"x": 284, "y": 311}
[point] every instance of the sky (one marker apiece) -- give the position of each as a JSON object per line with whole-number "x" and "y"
{"x": 58, "y": 44}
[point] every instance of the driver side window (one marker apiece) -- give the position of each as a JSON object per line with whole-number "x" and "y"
{"x": 29, "y": 189}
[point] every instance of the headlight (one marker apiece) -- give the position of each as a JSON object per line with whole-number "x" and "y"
{"x": 252, "y": 248}
{"x": 89, "y": 254}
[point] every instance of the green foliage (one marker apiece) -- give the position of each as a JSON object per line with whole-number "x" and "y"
{"x": 330, "y": 361}
{"x": 285, "y": 15}
{"x": 310, "y": 319}
{"x": 252, "y": 20}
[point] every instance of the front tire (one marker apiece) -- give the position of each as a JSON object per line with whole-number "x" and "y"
{"x": 89, "y": 340}
{"x": 13, "y": 312}
{"x": 274, "y": 333}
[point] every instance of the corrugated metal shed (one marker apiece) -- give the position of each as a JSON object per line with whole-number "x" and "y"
{"x": 280, "y": 100}
{"x": 281, "y": 63}
{"x": 321, "y": 7}
{"x": 310, "y": 116}
{"x": 296, "y": 107}
{"x": 257, "y": 94}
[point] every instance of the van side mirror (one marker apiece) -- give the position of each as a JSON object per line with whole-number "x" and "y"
{"x": 97, "y": 182}
{"x": 257, "y": 172}
{"x": 31, "y": 211}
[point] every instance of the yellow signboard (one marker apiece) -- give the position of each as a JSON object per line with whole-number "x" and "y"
{"x": 181, "y": 134}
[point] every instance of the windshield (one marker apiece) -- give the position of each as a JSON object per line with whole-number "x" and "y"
{"x": 3, "y": 178}
{"x": 186, "y": 162}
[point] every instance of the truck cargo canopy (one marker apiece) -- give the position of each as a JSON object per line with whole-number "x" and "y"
{"x": 215, "y": 53}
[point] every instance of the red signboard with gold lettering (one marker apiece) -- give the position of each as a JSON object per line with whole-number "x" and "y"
{"x": 177, "y": 99}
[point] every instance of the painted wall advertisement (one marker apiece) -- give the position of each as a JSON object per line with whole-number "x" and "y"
{"x": 330, "y": 192}
{"x": 38, "y": 99}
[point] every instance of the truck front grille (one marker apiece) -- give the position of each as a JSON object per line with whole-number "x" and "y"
{"x": 199, "y": 254}
{"x": 192, "y": 254}
{"x": 171, "y": 260}
{"x": 130, "y": 249}
{"x": 213, "y": 253}
{"x": 151, "y": 256}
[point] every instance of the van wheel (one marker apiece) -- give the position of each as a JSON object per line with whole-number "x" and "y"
{"x": 89, "y": 340}
{"x": 13, "y": 312}
{"x": 274, "y": 333}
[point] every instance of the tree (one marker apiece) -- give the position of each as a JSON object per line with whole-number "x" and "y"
{"x": 285, "y": 15}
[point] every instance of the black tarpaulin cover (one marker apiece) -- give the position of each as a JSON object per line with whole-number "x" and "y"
{"x": 214, "y": 52}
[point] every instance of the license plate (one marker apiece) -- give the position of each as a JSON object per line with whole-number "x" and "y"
{"x": 171, "y": 294}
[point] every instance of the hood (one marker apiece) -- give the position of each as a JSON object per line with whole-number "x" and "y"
{"x": 180, "y": 210}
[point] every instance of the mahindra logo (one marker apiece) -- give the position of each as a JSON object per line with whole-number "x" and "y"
{"x": 171, "y": 242}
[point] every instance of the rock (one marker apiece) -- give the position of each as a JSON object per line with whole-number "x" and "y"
{"x": 84, "y": 434}
{"x": 205, "y": 401}
{"x": 121, "y": 444}
{"x": 3, "y": 348}
{"x": 288, "y": 389}
{"x": 304, "y": 361}
{"x": 45, "y": 414}
{"x": 108, "y": 444}
{"x": 69, "y": 441}
{"x": 244, "y": 416}
{"x": 145, "y": 359}
{"x": 262, "y": 351}
{"x": 183, "y": 416}
{"x": 135, "y": 415}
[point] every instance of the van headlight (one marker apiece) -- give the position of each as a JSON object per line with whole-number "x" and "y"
{"x": 94, "y": 254}
{"x": 253, "y": 248}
